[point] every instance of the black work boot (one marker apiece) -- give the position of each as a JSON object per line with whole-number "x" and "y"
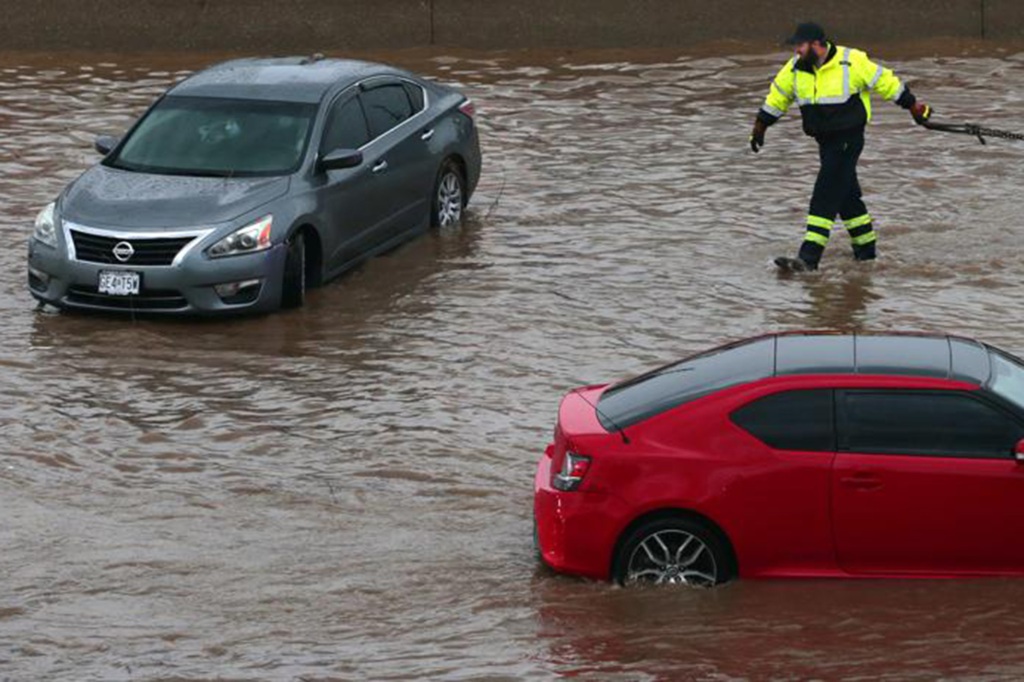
{"x": 865, "y": 251}
{"x": 810, "y": 254}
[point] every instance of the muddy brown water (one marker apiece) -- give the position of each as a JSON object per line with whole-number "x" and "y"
{"x": 344, "y": 491}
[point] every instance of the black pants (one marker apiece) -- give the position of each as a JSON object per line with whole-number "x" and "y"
{"x": 837, "y": 193}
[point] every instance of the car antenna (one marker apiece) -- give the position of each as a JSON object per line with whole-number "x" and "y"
{"x": 618, "y": 429}
{"x": 316, "y": 57}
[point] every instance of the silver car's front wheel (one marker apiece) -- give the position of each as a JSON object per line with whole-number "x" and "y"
{"x": 674, "y": 551}
{"x": 293, "y": 284}
{"x": 449, "y": 197}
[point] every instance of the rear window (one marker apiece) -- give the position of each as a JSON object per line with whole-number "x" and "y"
{"x": 386, "y": 107}
{"x": 416, "y": 96}
{"x": 641, "y": 398}
{"x": 801, "y": 420}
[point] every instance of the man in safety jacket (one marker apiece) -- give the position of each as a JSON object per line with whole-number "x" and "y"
{"x": 832, "y": 86}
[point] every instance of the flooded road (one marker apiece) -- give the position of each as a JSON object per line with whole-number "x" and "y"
{"x": 344, "y": 491}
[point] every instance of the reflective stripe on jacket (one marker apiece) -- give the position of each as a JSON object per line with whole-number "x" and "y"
{"x": 836, "y": 96}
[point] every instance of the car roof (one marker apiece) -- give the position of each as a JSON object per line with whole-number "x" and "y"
{"x": 789, "y": 354}
{"x": 284, "y": 79}
{"x": 906, "y": 354}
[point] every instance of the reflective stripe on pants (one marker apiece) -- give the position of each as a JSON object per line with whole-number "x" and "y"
{"x": 818, "y": 230}
{"x": 860, "y": 229}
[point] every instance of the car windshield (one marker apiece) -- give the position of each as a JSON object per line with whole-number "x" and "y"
{"x": 1007, "y": 378}
{"x": 208, "y": 136}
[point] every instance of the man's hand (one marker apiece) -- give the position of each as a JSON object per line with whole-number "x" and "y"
{"x": 921, "y": 112}
{"x": 757, "y": 137}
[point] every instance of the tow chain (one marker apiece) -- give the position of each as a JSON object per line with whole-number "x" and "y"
{"x": 973, "y": 130}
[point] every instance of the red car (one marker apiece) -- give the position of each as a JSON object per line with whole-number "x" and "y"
{"x": 796, "y": 455}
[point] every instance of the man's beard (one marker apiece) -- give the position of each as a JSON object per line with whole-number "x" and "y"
{"x": 811, "y": 60}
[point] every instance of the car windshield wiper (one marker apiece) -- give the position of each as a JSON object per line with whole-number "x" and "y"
{"x": 190, "y": 172}
{"x": 205, "y": 174}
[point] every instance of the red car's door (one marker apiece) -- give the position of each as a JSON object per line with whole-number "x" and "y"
{"x": 925, "y": 482}
{"x": 780, "y": 510}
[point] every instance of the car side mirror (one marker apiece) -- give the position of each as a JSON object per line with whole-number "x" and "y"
{"x": 104, "y": 144}
{"x": 341, "y": 158}
{"x": 1018, "y": 451}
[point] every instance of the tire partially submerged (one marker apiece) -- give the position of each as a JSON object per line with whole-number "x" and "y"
{"x": 673, "y": 551}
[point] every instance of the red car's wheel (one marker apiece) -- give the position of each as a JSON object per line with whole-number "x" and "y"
{"x": 673, "y": 551}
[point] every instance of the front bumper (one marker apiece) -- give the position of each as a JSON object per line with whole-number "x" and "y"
{"x": 575, "y": 531}
{"x": 186, "y": 288}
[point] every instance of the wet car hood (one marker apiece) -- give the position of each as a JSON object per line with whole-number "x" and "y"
{"x": 108, "y": 197}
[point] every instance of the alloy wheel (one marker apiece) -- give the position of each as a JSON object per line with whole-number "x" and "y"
{"x": 449, "y": 200}
{"x": 672, "y": 557}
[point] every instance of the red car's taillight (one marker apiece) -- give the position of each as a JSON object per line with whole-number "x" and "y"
{"x": 468, "y": 108}
{"x": 574, "y": 469}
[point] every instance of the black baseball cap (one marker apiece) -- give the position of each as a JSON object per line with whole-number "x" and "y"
{"x": 807, "y": 33}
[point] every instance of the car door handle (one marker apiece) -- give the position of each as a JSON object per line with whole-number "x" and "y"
{"x": 381, "y": 166}
{"x": 862, "y": 481}
{"x": 427, "y": 134}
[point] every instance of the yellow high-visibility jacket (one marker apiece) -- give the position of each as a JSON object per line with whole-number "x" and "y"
{"x": 835, "y": 96}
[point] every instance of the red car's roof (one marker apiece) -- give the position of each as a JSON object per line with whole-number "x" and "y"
{"x": 901, "y": 353}
{"x": 786, "y": 354}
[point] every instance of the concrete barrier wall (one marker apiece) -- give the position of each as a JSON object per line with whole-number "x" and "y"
{"x": 265, "y": 26}
{"x": 275, "y": 26}
{"x": 662, "y": 23}
{"x": 1004, "y": 19}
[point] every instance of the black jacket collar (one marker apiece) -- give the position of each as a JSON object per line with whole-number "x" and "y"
{"x": 829, "y": 57}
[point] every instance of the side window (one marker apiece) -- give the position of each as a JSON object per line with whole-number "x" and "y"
{"x": 940, "y": 424}
{"x": 416, "y": 96}
{"x": 792, "y": 420}
{"x": 386, "y": 106}
{"x": 346, "y": 127}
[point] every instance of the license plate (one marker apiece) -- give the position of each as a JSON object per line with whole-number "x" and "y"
{"x": 120, "y": 282}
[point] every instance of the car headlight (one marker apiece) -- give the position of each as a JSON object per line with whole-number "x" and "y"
{"x": 249, "y": 239}
{"x": 46, "y": 226}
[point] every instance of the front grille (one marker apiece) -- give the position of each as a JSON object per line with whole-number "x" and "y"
{"x": 149, "y": 299}
{"x": 95, "y": 248}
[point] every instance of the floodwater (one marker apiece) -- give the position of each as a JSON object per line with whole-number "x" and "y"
{"x": 344, "y": 491}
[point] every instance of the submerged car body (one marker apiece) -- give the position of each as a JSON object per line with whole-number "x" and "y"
{"x": 250, "y": 181}
{"x": 795, "y": 455}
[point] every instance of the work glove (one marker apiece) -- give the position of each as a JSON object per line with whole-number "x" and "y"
{"x": 757, "y": 137}
{"x": 921, "y": 112}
